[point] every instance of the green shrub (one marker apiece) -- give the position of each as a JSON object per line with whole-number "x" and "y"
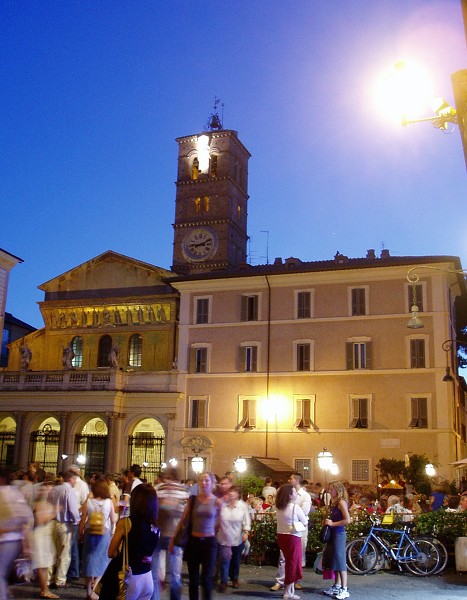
{"x": 446, "y": 526}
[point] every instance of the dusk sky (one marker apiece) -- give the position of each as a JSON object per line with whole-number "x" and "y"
{"x": 93, "y": 95}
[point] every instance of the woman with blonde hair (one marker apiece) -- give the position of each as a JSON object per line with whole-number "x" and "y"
{"x": 334, "y": 552}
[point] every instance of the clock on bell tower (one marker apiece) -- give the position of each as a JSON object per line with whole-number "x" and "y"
{"x": 210, "y": 229}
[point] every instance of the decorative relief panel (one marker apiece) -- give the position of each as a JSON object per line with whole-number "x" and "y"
{"x": 119, "y": 315}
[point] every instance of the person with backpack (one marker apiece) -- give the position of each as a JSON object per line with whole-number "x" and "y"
{"x": 96, "y": 526}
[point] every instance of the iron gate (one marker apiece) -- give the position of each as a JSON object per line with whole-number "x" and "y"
{"x": 7, "y": 448}
{"x": 147, "y": 451}
{"x": 94, "y": 448}
{"x": 43, "y": 448}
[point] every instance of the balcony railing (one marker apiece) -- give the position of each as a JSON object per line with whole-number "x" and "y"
{"x": 101, "y": 379}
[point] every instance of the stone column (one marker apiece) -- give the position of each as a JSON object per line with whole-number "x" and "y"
{"x": 63, "y": 442}
{"x": 21, "y": 442}
{"x": 111, "y": 444}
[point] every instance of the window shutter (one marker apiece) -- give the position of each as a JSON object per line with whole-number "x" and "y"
{"x": 298, "y": 414}
{"x": 423, "y": 413}
{"x": 192, "y": 360}
{"x": 364, "y": 413}
{"x": 306, "y": 412}
{"x": 254, "y": 312}
{"x": 254, "y": 359}
{"x": 369, "y": 355}
{"x": 355, "y": 413}
{"x": 201, "y": 413}
{"x": 413, "y": 412}
{"x": 349, "y": 355}
{"x": 244, "y": 306}
{"x": 242, "y": 359}
{"x": 252, "y": 413}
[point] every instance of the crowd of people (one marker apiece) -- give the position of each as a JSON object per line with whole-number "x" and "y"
{"x": 72, "y": 528}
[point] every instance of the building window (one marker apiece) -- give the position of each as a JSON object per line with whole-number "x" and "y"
{"x": 103, "y": 355}
{"x": 77, "y": 347}
{"x": 247, "y": 413}
{"x": 248, "y": 358}
{"x": 303, "y": 356}
{"x": 358, "y": 301}
{"x": 202, "y": 310}
{"x": 199, "y": 359}
{"x": 198, "y": 413}
{"x": 249, "y": 311}
{"x": 417, "y": 354}
{"x": 303, "y": 305}
{"x": 304, "y": 412}
{"x": 303, "y": 466}
{"x": 359, "y": 413}
{"x": 206, "y": 203}
{"x": 360, "y": 470}
{"x": 415, "y": 296}
{"x": 197, "y": 204}
{"x": 419, "y": 413}
{"x": 359, "y": 355}
{"x": 135, "y": 353}
{"x": 195, "y": 168}
{"x": 213, "y": 166}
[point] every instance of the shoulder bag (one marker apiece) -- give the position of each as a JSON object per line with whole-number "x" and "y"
{"x": 183, "y": 531}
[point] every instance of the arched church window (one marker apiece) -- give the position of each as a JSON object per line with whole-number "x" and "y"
{"x": 213, "y": 166}
{"x": 195, "y": 168}
{"x": 103, "y": 356}
{"x": 198, "y": 204}
{"x": 77, "y": 347}
{"x": 206, "y": 203}
{"x": 135, "y": 351}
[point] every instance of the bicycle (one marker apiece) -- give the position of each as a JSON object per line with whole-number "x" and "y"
{"x": 420, "y": 555}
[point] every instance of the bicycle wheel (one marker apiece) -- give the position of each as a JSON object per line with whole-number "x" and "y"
{"x": 422, "y": 557}
{"x": 358, "y": 563}
{"x": 443, "y": 552}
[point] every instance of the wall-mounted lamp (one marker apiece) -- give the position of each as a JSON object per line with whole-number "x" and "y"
{"x": 197, "y": 464}
{"x": 415, "y": 322}
{"x": 430, "y": 470}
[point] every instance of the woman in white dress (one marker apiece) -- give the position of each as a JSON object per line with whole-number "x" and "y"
{"x": 44, "y": 555}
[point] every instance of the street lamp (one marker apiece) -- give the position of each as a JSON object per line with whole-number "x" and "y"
{"x": 325, "y": 463}
{"x": 240, "y": 465}
{"x": 430, "y": 470}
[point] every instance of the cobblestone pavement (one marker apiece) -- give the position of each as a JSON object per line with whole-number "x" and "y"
{"x": 255, "y": 582}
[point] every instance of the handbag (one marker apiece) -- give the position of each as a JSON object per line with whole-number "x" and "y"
{"x": 183, "y": 531}
{"x": 325, "y": 534}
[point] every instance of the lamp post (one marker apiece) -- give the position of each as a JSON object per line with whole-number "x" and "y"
{"x": 430, "y": 470}
{"x": 325, "y": 461}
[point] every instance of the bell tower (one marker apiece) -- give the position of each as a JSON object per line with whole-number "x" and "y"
{"x": 210, "y": 229}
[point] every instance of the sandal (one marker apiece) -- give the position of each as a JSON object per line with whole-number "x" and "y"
{"x": 49, "y": 595}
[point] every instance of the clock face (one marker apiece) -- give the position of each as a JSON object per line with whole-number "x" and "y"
{"x": 199, "y": 244}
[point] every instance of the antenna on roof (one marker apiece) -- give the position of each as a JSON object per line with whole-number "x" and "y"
{"x": 267, "y": 245}
{"x": 214, "y": 122}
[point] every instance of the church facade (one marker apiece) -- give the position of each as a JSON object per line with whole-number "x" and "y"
{"x": 217, "y": 359}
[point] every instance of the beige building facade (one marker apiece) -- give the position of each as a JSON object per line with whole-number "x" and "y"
{"x": 285, "y": 360}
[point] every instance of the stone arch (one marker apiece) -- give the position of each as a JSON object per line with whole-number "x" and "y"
{"x": 147, "y": 445}
{"x": 7, "y": 440}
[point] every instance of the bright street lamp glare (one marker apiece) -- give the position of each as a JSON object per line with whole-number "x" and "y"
{"x": 404, "y": 92}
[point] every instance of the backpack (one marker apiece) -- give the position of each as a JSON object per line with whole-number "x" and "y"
{"x": 96, "y": 524}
